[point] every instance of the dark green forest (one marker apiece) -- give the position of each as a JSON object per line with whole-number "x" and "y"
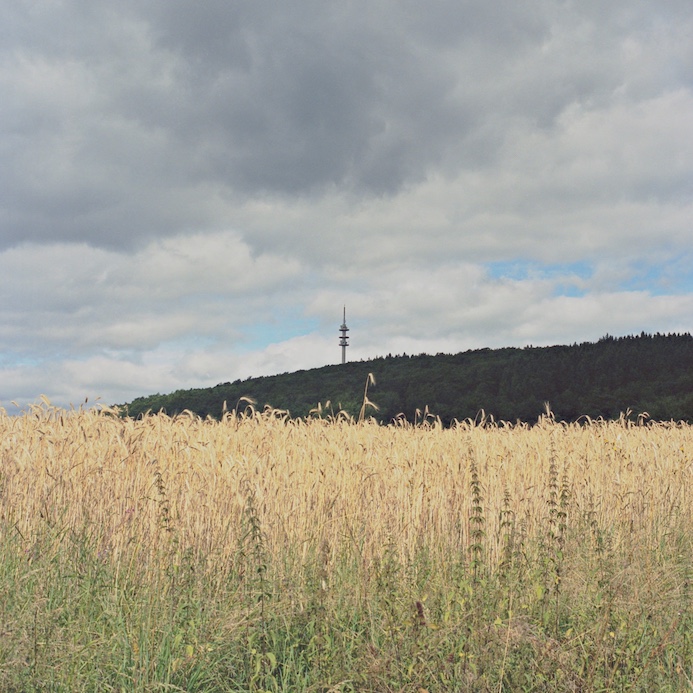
{"x": 650, "y": 374}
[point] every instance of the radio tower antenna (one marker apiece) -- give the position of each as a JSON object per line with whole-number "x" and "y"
{"x": 343, "y": 338}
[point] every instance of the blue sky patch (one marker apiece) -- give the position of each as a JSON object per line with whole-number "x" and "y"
{"x": 522, "y": 270}
{"x": 280, "y": 328}
{"x": 662, "y": 279}
{"x": 528, "y": 269}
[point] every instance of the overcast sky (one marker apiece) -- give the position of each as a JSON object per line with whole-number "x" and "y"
{"x": 191, "y": 191}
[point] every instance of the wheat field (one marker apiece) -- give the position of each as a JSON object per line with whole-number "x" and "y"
{"x": 264, "y": 553}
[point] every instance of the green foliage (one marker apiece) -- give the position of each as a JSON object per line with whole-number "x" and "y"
{"x": 74, "y": 621}
{"x": 645, "y": 373}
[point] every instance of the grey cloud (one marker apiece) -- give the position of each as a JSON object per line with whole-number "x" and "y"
{"x": 323, "y": 100}
{"x": 135, "y": 107}
{"x": 129, "y": 121}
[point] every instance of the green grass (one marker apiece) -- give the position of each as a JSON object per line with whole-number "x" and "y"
{"x": 566, "y": 610}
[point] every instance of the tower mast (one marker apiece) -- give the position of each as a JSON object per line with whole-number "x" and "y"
{"x": 344, "y": 338}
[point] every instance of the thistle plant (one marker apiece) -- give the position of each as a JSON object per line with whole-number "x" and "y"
{"x": 477, "y": 522}
{"x": 253, "y": 550}
{"x": 164, "y": 505}
{"x": 558, "y": 500}
{"x": 507, "y": 529}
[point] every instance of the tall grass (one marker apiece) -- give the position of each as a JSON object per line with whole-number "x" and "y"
{"x": 260, "y": 553}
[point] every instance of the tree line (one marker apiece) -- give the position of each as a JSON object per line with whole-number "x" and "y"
{"x": 647, "y": 373}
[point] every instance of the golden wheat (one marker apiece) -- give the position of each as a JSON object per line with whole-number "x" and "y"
{"x": 133, "y": 483}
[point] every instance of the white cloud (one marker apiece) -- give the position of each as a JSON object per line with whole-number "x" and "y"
{"x": 76, "y": 298}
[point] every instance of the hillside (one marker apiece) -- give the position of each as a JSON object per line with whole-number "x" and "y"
{"x": 645, "y": 373}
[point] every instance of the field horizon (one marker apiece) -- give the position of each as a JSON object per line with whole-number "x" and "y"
{"x": 648, "y": 374}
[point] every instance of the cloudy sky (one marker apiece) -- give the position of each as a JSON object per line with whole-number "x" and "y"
{"x": 191, "y": 191}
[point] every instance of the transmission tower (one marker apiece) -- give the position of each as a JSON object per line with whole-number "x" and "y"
{"x": 344, "y": 338}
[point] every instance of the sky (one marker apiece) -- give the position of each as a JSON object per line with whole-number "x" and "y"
{"x": 191, "y": 192}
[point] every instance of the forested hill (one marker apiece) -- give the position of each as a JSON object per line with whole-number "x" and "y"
{"x": 645, "y": 373}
